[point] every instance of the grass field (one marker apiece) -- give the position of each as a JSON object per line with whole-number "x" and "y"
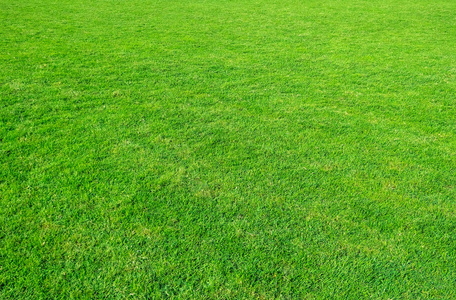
{"x": 228, "y": 149}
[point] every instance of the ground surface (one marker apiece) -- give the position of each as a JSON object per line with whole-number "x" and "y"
{"x": 227, "y": 149}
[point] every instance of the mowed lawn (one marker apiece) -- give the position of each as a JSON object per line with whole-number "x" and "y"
{"x": 228, "y": 149}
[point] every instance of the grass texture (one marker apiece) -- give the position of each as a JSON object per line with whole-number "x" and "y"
{"x": 227, "y": 149}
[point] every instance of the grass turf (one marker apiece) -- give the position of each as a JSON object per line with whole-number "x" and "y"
{"x": 227, "y": 149}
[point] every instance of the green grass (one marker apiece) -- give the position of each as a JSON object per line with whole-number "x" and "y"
{"x": 228, "y": 149}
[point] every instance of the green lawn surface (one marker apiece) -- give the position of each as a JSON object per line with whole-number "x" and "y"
{"x": 228, "y": 149}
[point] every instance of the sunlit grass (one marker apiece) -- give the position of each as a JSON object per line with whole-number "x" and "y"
{"x": 227, "y": 149}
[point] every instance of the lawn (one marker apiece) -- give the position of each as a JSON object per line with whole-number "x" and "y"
{"x": 228, "y": 149}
